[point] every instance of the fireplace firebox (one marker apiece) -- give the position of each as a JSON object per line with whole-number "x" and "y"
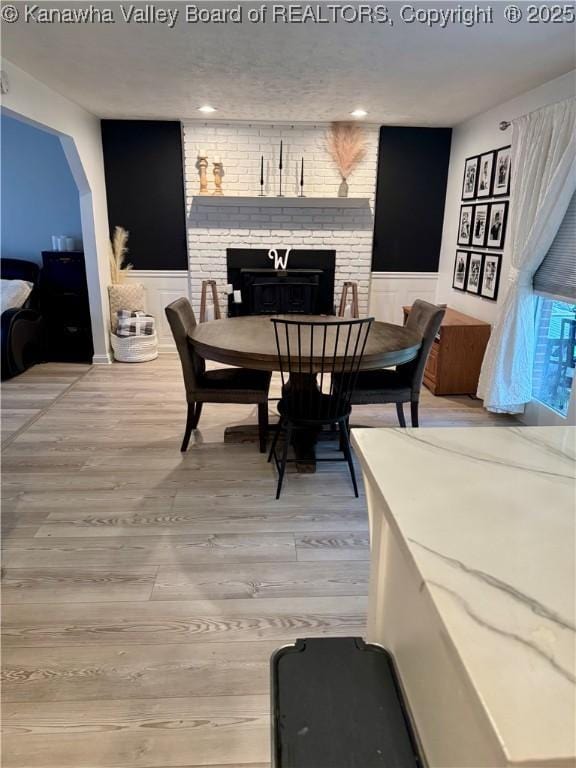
{"x": 306, "y": 286}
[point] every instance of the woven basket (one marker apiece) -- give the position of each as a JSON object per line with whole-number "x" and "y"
{"x": 134, "y": 349}
{"x": 125, "y": 296}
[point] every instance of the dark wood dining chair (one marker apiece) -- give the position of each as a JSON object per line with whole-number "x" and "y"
{"x": 403, "y": 384}
{"x": 223, "y": 385}
{"x": 319, "y": 364}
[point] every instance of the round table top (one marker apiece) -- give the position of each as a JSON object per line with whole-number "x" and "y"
{"x": 249, "y": 342}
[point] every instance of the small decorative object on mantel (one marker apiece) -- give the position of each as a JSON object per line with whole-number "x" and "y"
{"x": 262, "y": 176}
{"x": 346, "y": 144}
{"x": 122, "y": 295}
{"x": 218, "y": 171}
{"x": 302, "y": 179}
{"x": 202, "y": 169}
{"x": 280, "y": 169}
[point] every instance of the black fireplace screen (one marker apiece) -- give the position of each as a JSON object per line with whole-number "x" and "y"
{"x": 305, "y": 287}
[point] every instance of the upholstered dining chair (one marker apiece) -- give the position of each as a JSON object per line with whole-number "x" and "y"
{"x": 403, "y": 384}
{"x": 223, "y": 385}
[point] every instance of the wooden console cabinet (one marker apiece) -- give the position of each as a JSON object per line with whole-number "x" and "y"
{"x": 454, "y": 364}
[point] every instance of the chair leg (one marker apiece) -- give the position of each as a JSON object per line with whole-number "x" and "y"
{"x": 197, "y": 413}
{"x": 348, "y": 452}
{"x": 400, "y": 412}
{"x": 414, "y": 413}
{"x": 263, "y": 425}
{"x": 189, "y": 427}
{"x": 282, "y": 466}
{"x": 275, "y": 439}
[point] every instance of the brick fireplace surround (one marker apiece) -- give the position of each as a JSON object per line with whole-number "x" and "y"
{"x": 214, "y": 228}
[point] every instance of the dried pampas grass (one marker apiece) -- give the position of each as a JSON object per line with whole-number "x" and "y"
{"x": 118, "y": 253}
{"x": 345, "y": 143}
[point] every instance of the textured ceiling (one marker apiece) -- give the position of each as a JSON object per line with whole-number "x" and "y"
{"x": 400, "y": 73}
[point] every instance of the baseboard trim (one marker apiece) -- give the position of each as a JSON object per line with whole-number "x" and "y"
{"x": 102, "y": 359}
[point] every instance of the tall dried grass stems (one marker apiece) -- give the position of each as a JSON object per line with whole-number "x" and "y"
{"x": 118, "y": 252}
{"x": 346, "y": 144}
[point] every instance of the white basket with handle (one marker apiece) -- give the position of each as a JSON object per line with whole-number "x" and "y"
{"x": 134, "y": 349}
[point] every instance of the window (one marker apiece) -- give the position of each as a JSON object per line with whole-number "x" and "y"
{"x": 555, "y": 358}
{"x": 555, "y": 355}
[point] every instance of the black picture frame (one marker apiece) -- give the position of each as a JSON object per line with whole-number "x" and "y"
{"x": 469, "y": 182}
{"x": 500, "y": 207}
{"x": 469, "y": 211}
{"x": 490, "y": 280}
{"x": 474, "y": 276}
{"x": 462, "y": 257}
{"x": 497, "y": 189}
{"x": 480, "y": 225}
{"x": 485, "y": 179}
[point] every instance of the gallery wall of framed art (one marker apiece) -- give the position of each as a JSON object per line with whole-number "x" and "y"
{"x": 482, "y": 223}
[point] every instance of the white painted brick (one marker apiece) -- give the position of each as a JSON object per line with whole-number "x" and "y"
{"x": 348, "y": 232}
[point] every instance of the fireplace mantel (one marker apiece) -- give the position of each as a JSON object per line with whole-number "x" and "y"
{"x": 283, "y": 202}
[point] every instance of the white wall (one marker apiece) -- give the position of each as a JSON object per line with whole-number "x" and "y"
{"x": 482, "y": 134}
{"x": 241, "y": 145}
{"x": 79, "y": 132}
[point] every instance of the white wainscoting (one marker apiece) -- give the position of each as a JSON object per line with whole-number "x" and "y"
{"x": 162, "y": 287}
{"x": 390, "y": 291}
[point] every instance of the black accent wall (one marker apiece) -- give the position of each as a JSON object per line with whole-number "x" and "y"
{"x": 410, "y": 198}
{"x": 145, "y": 190}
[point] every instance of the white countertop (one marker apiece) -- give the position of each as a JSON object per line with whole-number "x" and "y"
{"x": 488, "y": 516}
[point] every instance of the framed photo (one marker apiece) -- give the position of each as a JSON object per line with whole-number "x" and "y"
{"x": 470, "y": 176}
{"x": 474, "y": 277}
{"x": 460, "y": 270}
{"x": 496, "y": 232}
{"x": 502, "y": 172}
{"x": 465, "y": 224}
{"x": 480, "y": 226}
{"x": 485, "y": 174}
{"x": 490, "y": 276}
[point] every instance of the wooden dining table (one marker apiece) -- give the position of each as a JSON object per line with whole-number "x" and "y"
{"x": 249, "y": 342}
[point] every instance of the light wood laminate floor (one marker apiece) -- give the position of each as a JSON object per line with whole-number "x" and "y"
{"x": 143, "y": 590}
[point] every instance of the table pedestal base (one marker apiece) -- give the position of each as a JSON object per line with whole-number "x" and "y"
{"x": 303, "y": 443}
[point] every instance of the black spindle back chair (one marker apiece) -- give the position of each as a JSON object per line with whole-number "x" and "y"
{"x": 319, "y": 363}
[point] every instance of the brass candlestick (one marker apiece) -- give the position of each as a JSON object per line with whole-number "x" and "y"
{"x": 203, "y": 167}
{"x": 217, "y": 178}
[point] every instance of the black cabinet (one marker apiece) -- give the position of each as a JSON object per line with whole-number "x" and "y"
{"x": 410, "y": 198}
{"x": 65, "y": 307}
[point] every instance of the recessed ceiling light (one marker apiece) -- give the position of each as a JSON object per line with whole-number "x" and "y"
{"x": 206, "y": 109}
{"x": 359, "y": 113}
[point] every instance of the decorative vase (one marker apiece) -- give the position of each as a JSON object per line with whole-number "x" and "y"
{"x": 125, "y": 296}
{"x": 343, "y": 188}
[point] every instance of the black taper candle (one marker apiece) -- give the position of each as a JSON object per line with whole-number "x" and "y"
{"x": 262, "y": 175}
{"x": 280, "y": 169}
{"x": 302, "y": 179}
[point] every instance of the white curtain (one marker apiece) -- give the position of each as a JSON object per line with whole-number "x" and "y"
{"x": 544, "y": 179}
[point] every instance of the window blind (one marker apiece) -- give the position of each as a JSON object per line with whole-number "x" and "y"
{"x": 557, "y": 273}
